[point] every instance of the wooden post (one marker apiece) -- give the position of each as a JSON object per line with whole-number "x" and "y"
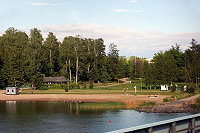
{"x": 193, "y": 125}
{"x": 150, "y": 130}
{"x": 172, "y": 128}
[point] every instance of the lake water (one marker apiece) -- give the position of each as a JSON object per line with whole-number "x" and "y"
{"x": 64, "y": 117}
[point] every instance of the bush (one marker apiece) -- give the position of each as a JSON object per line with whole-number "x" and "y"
{"x": 43, "y": 88}
{"x": 72, "y": 85}
{"x": 198, "y": 101}
{"x": 91, "y": 85}
{"x": 78, "y": 86}
{"x": 191, "y": 88}
{"x": 165, "y": 100}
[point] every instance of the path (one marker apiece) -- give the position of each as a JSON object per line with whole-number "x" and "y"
{"x": 2, "y": 91}
{"x": 124, "y": 80}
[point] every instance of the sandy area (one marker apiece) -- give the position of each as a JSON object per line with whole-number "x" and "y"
{"x": 128, "y": 99}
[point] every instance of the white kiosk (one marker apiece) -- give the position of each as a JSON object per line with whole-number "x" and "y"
{"x": 164, "y": 88}
{"x": 12, "y": 91}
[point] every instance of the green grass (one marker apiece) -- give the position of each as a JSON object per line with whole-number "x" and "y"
{"x": 117, "y": 89}
{"x": 106, "y": 105}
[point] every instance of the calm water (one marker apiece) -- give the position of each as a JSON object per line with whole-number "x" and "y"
{"x": 56, "y": 117}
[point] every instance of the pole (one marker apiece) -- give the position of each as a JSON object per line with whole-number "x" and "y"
{"x": 135, "y": 90}
{"x": 141, "y": 84}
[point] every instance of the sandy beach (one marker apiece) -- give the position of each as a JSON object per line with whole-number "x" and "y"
{"x": 128, "y": 99}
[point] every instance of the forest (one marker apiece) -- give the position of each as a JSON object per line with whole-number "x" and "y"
{"x": 26, "y": 59}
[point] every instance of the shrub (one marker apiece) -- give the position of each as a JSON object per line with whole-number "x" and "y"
{"x": 78, "y": 86}
{"x": 43, "y": 88}
{"x": 198, "y": 101}
{"x": 91, "y": 85}
{"x": 165, "y": 100}
{"x": 191, "y": 88}
{"x": 84, "y": 85}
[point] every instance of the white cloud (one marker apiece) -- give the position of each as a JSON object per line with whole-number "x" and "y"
{"x": 133, "y": 1}
{"x": 122, "y": 10}
{"x": 129, "y": 42}
{"x": 44, "y": 4}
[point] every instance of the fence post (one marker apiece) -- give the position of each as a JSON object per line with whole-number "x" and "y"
{"x": 193, "y": 125}
{"x": 172, "y": 128}
{"x": 150, "y": 130}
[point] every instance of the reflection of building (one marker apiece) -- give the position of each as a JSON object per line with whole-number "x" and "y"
{"x": 11, "y": 106}
{"x": 12, "y": 91}
{"x": 55, "y": 80}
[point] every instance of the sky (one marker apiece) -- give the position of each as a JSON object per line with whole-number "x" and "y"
{"x": 138, "y": 27}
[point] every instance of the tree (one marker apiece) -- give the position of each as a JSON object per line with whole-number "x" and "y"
{"x": 113, "y": 62}
{"x": 192, "y": 62}
{"x": 53, "y": 54}
{"x": 35, "y": 60}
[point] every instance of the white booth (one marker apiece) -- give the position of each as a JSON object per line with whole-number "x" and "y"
{"x": 12, "y": 91}
{"x": 164, "y": 88}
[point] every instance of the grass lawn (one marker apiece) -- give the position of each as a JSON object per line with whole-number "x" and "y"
{"x": 115, "y": 88}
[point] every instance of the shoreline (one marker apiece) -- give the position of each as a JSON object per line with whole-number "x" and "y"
{"x": 130, "y": 100}
{"x": 179, "y": 106}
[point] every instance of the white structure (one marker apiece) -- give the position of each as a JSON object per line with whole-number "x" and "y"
{"x": 12, "y": 91}
{"x": 164, "y": 88}
{"x": 185, "y": 88}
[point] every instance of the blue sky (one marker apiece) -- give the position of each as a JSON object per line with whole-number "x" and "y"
{"x": 138, "y": 27}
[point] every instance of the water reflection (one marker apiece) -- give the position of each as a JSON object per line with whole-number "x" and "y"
{"x": 71, "y": 117}
{"x": 11, "y": 107}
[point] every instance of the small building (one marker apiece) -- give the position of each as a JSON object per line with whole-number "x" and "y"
{"x": 164, "y": 88}
{"x": 12, "y": 91}
{"x": 55, "y": 80}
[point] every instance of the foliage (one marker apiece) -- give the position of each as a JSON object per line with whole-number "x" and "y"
{"x": 191, "y": 88}
{"x": 26, "y": 59}
{"x": 198, "y": 101}
{"x": 165, "y": 100}
{"x": 91, "y": 85}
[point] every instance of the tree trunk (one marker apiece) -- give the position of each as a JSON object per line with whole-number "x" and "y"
{"x": 196, "y": 82}
{"x": 66, "y": 66}
{"x": 50, "y": 57}
{"x": 76, "y": 70}
{"x": 70, "y": 73}
{"x": 88, "y": 68}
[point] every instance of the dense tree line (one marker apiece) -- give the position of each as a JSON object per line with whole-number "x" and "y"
{"x": 173, "y": 66}
{"x": 26, "y": 59}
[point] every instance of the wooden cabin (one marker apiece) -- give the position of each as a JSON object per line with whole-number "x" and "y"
{"x": 12, "y": 91}
{"x": 55, "y": 80}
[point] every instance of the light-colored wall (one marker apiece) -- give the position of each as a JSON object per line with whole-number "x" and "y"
{"x": 12, "y": 91}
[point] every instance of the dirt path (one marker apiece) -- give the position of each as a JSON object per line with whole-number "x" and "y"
{"x": 2, "y": 91}
{"x": 191, "y": 99}
{"x": 124, "y": 80}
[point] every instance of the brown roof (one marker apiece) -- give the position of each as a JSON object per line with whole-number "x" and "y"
{"x": 55, "y": 79}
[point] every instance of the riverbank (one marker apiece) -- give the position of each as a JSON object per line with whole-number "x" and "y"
{"x": 178, "y": 106}
{"x": 131, "y": 101}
